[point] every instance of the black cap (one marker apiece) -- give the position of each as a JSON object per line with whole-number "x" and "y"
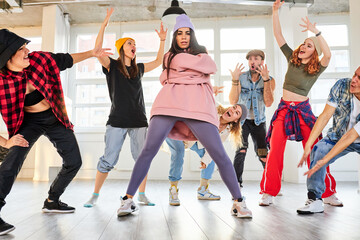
{"x": 9, "y": 44}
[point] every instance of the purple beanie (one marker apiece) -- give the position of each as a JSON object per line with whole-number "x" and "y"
{"x": 183, "y": 21}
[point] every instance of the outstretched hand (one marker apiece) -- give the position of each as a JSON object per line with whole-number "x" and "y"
{"x": 304, "y": 157}
{"x": 218, "y": 90}
{"x": 162, "y": 33}
{"x": 309, "y": 26}
{"x": 109, "y": 12}
{"x": 101, "y": 52}
{"x": 277, "y": 4}
{"x": 263, "y": 71}
{"x": 238, "y": 71}
{"x": 317, "y": 166}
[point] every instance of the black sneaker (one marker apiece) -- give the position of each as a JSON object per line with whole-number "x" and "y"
{"x": 5, "y": 227}
{"x": 57, "y": 207}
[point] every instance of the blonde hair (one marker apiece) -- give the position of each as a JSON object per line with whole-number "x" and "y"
{"x": 235, "y": 129}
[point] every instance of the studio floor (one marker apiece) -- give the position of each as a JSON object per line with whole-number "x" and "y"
{"x": 193, "y": 219}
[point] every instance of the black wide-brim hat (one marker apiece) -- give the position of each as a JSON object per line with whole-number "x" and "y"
{"x": 9, "y": 44}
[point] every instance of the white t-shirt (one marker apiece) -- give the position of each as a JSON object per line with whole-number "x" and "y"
{"x": 354, "y": 113}
{"x": 251, "y": 115}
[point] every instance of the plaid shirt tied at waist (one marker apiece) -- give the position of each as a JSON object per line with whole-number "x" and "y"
{"x": 292, "y": 121}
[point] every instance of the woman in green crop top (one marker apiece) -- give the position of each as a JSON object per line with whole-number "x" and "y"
{"x": 293, "y": 119}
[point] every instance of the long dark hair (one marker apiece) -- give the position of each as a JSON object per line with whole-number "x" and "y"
{"x": 121, "y": 65}
{"x": 194, "y": 49}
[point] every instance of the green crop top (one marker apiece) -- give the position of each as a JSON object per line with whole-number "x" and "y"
{"x": 297, "y": 80}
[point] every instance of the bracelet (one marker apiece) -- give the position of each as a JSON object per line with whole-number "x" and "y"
{"x": 318, "y": 34}
{"x": 162, "y": 40}
{"x": 235, "y": 84}
{"x": 235, "y": 81}
{"x": 267, "y": 80}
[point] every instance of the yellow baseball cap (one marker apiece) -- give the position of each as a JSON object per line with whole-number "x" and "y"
{"x": 120, "y": 42}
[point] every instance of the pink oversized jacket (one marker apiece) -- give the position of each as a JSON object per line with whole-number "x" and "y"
{"x": 187, "y": 93}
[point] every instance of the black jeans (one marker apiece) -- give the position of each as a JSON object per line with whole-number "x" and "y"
{"x": 34, "y": 125}
{"x": 258, "y": 135}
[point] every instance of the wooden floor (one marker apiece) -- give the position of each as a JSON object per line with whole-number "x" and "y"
{"x": 194, "y": 219}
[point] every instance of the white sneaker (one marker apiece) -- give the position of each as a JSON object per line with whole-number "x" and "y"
{"x": 266, "y": 200}
{"x": 333, "y": 201}
{"x": 174, "y": 196}
{"x": 127, "y": 206}
{"x": 205, "y": 194}
{"x": 312, "y": 206}
{"x": 240, "y": 210}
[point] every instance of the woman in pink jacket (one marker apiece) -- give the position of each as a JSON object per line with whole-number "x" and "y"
{"x": 185, "y": 109}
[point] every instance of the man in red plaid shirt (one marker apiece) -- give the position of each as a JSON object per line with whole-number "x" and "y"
{"x": 32, "y": 104}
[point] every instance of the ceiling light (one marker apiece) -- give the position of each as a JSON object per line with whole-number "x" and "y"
{"x": 170, "y": 14}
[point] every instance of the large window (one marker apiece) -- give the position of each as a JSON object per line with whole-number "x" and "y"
{"x": 339, "y": 66}
{"x": 91, "y": 98}
{"x": 233, "y": 49}
{"x": 226, "y": 44}
{"x": 91, "y": 101}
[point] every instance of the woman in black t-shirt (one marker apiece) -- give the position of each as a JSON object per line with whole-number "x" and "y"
{"x": 127, "y": 114}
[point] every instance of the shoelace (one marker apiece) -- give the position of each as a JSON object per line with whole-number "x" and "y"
{"x": 309, "y": 201}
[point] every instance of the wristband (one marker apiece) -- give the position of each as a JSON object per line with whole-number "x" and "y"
{"x": 318, "y": 34}
{"x": 267, "y": 80}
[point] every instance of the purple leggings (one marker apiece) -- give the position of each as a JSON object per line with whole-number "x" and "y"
{"x": 206, "y": 133}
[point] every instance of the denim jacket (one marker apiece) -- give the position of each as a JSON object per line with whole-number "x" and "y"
{"x": 341, "y": 98}
{"x": 253, "y": 93}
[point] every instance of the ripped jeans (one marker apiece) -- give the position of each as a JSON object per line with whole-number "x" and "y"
{"x": 258, "y": 134}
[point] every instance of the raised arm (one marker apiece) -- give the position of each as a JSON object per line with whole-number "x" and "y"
{"x": 276, "y": 23}
{"x": 340, "y": 146}
{"x": 323, "y": 44}
{"x": 269, "y": 85}
{"x": 160, "y": 55}
{"x": 316, "y": 131}
{"x": 235, "y": 86}
{"x": 104, "y": 60}
{"x": 96, "y": 52}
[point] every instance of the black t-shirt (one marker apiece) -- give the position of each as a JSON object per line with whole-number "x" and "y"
{"x": 127, "y": 99}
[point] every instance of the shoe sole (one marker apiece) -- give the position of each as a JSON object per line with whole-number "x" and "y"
{"x": 307, "y": 212}
{"x": 121, "y": 214}
{"x": 88, "y": 205}
{"x": 147, "y": 204}
{"x": 264, "y": 205}
{"x": 7, "y": 231}
{"x": 204, "y": 198}
{"x": 244, "y": 216}
{"x": 127, "y": 213}
{"x": 341, "y": 205}
{"x": 57, "y": 211}
{"x": 174, "y": 204}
